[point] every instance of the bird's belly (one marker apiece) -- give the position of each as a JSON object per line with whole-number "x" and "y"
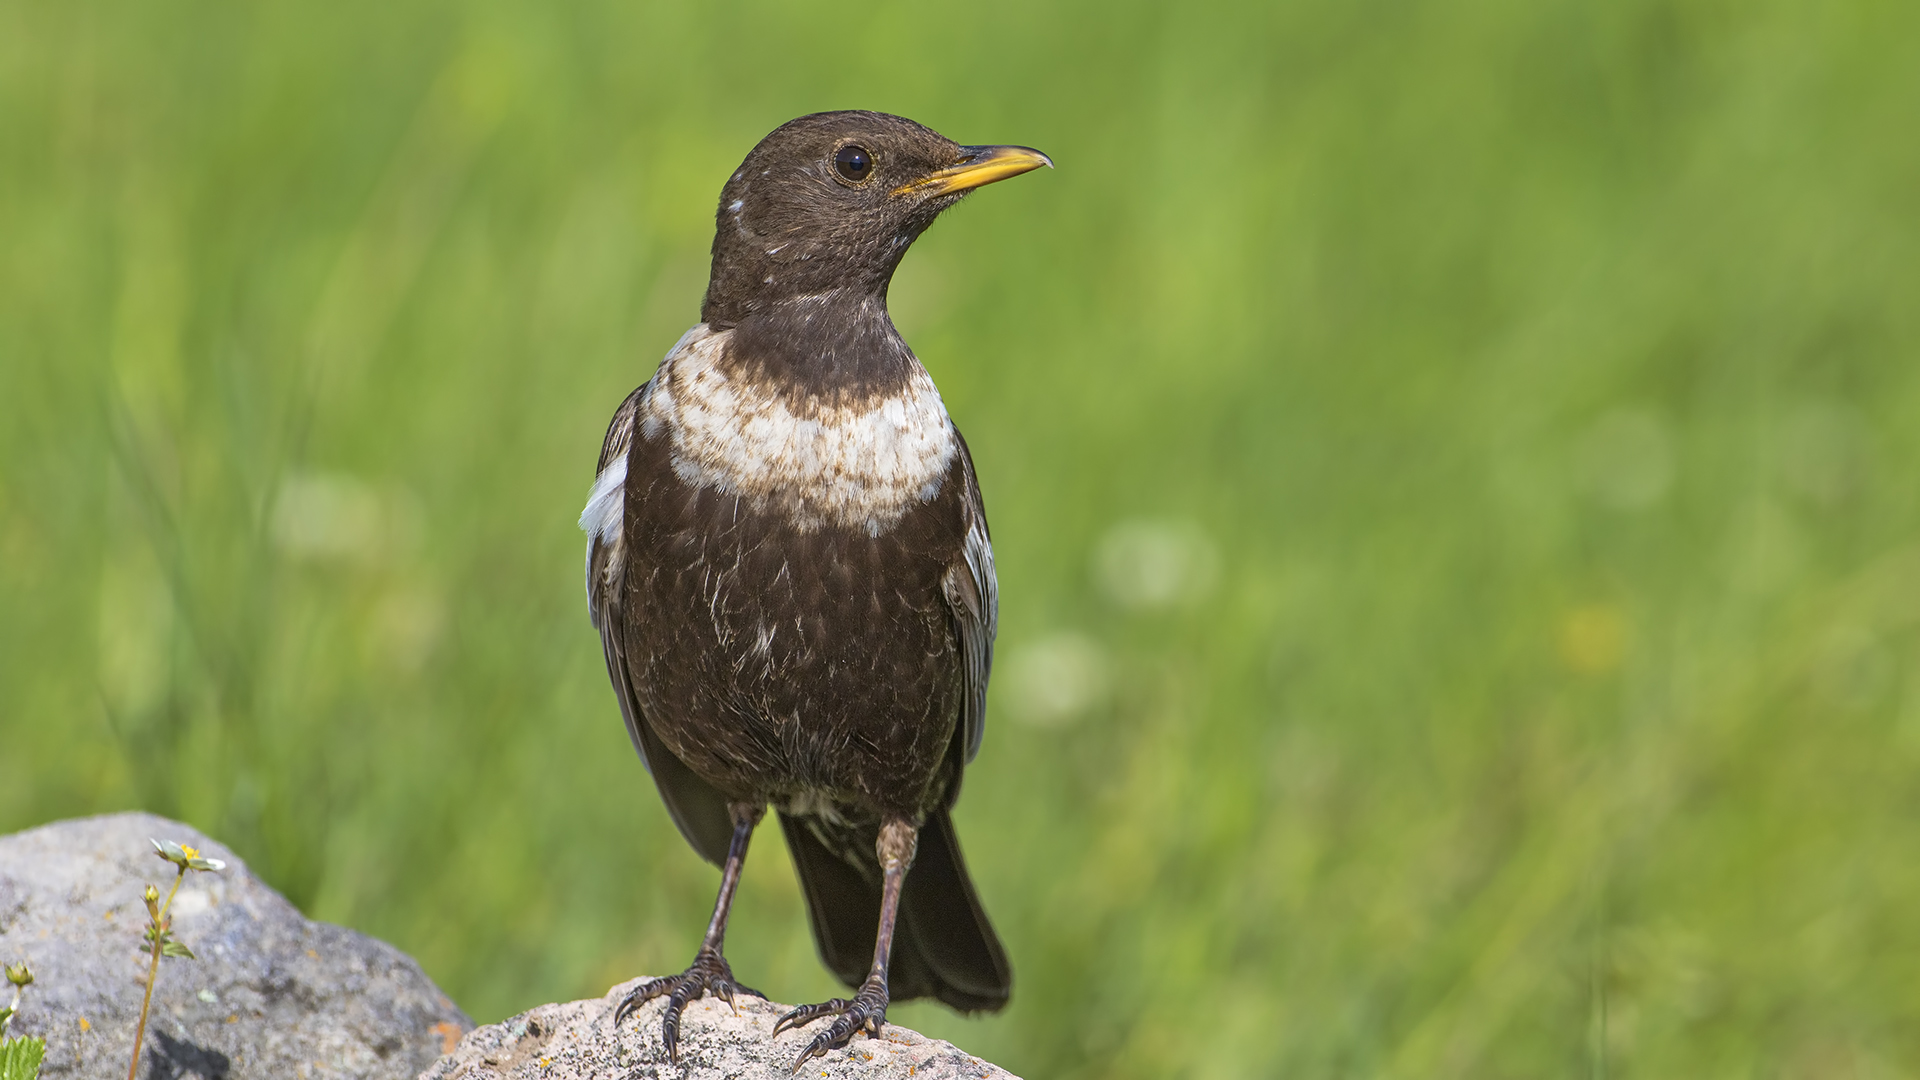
{"x": 777, "y": 660}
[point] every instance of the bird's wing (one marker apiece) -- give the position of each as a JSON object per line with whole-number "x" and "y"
{"x": 973, "y": 596}
{"x": 604, "y": 519}
{"x": 698, "y": 809}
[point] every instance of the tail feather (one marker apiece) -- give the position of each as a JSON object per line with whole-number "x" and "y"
{"x": 843, "y": 906}
{"x": 944, "y": 947}
{"x": 943, "y": 918}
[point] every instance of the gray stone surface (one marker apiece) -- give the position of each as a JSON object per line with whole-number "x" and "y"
{"x": 577, "y": 1041}
{"x": 271, "y": 995}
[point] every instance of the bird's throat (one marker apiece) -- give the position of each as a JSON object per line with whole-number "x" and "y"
{"x": 839, "y": 347}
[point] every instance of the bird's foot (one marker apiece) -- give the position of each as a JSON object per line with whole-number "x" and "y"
{"x": 866, "y": 1012}
{"x": 708, "y": 975}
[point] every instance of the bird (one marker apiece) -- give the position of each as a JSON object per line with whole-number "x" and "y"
{"x": 789, "y": 566}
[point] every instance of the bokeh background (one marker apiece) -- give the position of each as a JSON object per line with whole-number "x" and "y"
{"x": 1452, "y": 467}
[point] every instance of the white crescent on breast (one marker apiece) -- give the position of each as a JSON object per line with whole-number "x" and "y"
{"x": 859, "y": 465}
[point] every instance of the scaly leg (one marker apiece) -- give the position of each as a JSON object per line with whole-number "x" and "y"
{"x": 868, "y": 1009}
{"x": 709, "y": 973}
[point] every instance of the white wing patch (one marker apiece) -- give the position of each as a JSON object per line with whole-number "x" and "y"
{"x": 860, "y": 466}
{"x": 607, "y": 503}
{"x": 604, "y": 519}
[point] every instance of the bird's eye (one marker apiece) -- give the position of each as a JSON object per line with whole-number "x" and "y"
{"x": 853, "y": 163}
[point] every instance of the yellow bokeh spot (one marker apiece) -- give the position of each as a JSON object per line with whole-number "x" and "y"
{"x": 1593, "y": 639}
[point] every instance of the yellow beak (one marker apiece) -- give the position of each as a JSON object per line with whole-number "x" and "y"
{"x": 981, "y": 165}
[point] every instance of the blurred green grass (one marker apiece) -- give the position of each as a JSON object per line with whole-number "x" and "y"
{"x": 1505, "y": 415}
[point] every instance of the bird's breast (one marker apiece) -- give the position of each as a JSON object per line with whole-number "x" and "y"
{"x": 856, "y": 461}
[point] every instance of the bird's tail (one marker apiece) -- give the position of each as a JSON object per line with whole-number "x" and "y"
{"x": 943, "y": 945}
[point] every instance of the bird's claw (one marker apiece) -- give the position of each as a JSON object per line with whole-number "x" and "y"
{"x": 807, "y": 1014}
{"x": 866, "y": 1012}
{"x": 708, "y": 975}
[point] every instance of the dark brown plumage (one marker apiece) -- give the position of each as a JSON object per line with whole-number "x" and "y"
{"x": 790, "y": 570}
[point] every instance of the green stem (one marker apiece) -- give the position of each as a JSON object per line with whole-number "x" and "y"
{"x": 153, "y": 973}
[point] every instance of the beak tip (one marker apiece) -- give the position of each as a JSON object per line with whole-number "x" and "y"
{"x": 1029, "y": 153}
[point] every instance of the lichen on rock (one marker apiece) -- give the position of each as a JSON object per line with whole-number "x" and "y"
{"x": 577, "y": 1040}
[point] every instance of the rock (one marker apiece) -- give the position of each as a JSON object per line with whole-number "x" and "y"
{"x": 577, "y": 1041}
{"x": 271, "y": 995}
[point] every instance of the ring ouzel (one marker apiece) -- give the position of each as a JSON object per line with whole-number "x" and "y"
{"x": 790, "y": 571}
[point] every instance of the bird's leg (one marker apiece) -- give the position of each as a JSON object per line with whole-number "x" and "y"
{"x": 709, "y": 973}
{"x": 868, "y": 1009}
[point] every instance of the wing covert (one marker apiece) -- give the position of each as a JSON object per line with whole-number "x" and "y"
{"x": 973, "y": 595}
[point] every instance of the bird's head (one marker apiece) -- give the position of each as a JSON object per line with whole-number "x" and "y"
{"x": 828, "y": 203}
